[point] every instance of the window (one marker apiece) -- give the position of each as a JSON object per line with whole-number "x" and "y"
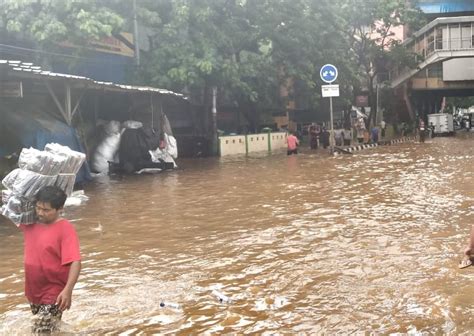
{"x": 466, "y": 36}
{"x": 430, "y": 42}
{"x": 455, "y": 36}
{"x": 439, "y": 38}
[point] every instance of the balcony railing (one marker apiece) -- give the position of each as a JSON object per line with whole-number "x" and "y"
{"x": 441, "y": 39}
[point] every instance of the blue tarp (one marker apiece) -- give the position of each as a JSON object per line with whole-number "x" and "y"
{"x": 33, "y": 130}
{"x": 446, "y": 6}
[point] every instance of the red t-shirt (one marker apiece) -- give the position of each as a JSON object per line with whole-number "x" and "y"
{"x": 292, "y": 142}
{"x": 49, "y": 251}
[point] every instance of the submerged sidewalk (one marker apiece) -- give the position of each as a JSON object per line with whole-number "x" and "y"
{"x": 358, "y": 147}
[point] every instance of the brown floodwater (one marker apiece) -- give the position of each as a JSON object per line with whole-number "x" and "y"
{"x": 308, "y": 244}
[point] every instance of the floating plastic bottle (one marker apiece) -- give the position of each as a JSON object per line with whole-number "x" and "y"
{"x": 172, "y": 305}
{"x": 221, "y": 297}
{"x": 280, "y": 301}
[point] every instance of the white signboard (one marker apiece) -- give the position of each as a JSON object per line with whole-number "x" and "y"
{"x": 330, "y": 90}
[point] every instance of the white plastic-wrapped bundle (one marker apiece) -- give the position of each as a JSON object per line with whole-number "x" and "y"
{"x": 106, "y": 152}
{"x": 171, "y": 146}
{"x": 26, "y": 183}
{"x": 26, "y": 218}
{"x": 132, "y": 124}
{"x": 19, "y": 210}
{"x": 158, "y": 155}
{"x": 19, "y": 204}
{"x": 107, "y": 149}
{"x": 41, "y": 162}
{"x": 74, "y": 160}
{"x": 56, "y": 165}
{"x": 66, "y": 183}
{"x": 112, "y": 127}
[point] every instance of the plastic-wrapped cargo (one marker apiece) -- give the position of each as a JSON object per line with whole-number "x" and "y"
{"x": 19, "y": 210}
{"x": 56, "y": 165}
{"x": 105, "y": 153}
{"x": 66, "y": 183}
{"x": 171, "y": 146}
{"x": 26, "y": 183}
{"x": 107, "y": 149}
{"x": 74, "y": 160}
{"x": 18, "y": 204}
{"x": 19, "y": 218}
{"x": 41, "y": 162}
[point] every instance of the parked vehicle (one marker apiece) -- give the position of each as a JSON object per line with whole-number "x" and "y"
{"x": 442, "y": 122}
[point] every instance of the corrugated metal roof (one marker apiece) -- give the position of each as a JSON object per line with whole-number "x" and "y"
{"x": 31, "y": 69}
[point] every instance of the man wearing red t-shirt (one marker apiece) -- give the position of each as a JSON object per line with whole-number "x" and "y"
{"x": 52, "y": 260}
{"x": 292, "y": 142}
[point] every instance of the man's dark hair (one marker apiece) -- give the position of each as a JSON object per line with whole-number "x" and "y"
{"x": 52, "y": 195}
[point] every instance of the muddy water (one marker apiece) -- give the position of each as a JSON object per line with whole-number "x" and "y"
{"x": 304, "y": 244}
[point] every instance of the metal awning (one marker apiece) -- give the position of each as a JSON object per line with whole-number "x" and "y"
{"x": 24, "y": 70}
{"x": 29, "y": 70}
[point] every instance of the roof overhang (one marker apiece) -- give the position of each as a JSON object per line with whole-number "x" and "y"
{"x": 21, "y": 69}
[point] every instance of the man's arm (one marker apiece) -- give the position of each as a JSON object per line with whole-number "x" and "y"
{"x": 65, "y": 297}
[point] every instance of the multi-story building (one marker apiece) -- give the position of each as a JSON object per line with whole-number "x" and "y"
{"x": 445, "y": 49}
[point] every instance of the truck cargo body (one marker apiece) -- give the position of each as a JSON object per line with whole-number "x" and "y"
{"x": 442, "y": 122}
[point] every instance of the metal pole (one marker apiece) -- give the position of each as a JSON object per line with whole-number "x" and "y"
{"x": 135, "y": 33}
{"x": 331, "y": 138}
{"x": 214, "y": 121}
{"x": 377, "y": 106}
{"x": 67, "y": 104}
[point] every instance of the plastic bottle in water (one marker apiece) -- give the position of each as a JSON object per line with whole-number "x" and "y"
{"x": 172, "y": 305}
{"x": 221, "y": 297}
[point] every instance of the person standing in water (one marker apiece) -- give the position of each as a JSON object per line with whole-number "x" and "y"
{"x": 52, "y": 260}
{"x": 421, "y": 130}
{"x": 292, "y": 142}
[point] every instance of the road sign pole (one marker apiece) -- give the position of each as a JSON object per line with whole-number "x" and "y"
{"x": 331, "y": 138}
{"x": 328, "y": 74}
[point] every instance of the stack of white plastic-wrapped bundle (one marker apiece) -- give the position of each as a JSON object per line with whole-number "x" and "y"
{"x": 56, "y": 165}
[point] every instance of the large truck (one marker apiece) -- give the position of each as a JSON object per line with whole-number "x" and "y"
{"x": 442, "y": 122}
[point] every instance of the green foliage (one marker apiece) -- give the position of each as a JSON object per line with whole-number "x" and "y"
{"x": 248, "y": 49}
{"x": 47, "y": 22}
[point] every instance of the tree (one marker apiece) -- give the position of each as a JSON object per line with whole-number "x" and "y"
{"x": 248, "y": 49}
{"x": 373, "y": 42}
{"x": 45, "y": 23}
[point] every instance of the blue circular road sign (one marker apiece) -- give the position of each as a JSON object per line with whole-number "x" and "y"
{"x": 328, "y": 73}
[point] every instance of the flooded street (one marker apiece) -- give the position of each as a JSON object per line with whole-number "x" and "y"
{"x": 363, "y": 243}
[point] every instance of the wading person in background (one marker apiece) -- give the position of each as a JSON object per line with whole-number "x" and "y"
{"x": 432, "y": 130}
{"x": 339, "y": 137}
{"x": 52, "y": 260}
{"x": 383, "y": 125}
{"x": 375, "y": 135}
{"x": 421, "y": 129}
{"x": 347, "y": 134}
{"x": 325, "y": 138}
{"x": 313, "y": 137}
{"x": 292, "y": 142}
